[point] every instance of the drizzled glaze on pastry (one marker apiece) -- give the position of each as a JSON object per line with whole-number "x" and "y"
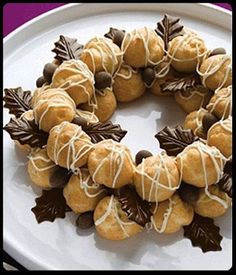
{"x": 53, "y": 98}
{"x": 112, "y": 208}
{"x": 214, "y": 154}
{"x": 116, "y": 158}
{"x": 228, "y": 102}
{"x": 72, "y": 155}
{"x": 45, "y": 159}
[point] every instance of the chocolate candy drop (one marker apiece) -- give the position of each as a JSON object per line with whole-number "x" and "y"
{"x": 102, "y": 80}
{"x": 85, "y": 220}
{"x": 148, "y": 75}
{"x": 48, "y": 71}
{"x": 207, "y": 121}
{"x": 142, "y": 154}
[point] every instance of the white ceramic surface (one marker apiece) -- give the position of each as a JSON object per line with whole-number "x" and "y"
{"x": 57, "y": 245}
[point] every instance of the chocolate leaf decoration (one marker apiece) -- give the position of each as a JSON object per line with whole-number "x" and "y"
{"x": 174, "y": 140}
{"x": 184, "y": 84}
{"x": 50, "y": 205}
{"x": 26, "y": 132}
{"x": 225, "y": 183}
{"x": 17, "y": 100}
{"x": 112, "y": 32}
{"x": 104, "y": 130}
{"x": 67, "y": 48}
{"x": 203, "y": 233}
{"x": 169, "y": 28}
{"x": 137, "y": 209}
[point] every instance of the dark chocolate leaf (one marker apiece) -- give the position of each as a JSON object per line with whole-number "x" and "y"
{"x": 184, "y": 84}
{"x": 137, "y": 209}
{"x": 174, "y": 140}
{"x": 225, "y": 183}
{"x": 67, "y": 48}
{"x": 26, "y": 132}
{"x": 50, "y": 205}
{"x": 203, "y": 233}
{"x": 104, "y": 130}
{"x": 17, "y": 100}
{"x": 112, "y": 32}
{"x": 169, "y": 28}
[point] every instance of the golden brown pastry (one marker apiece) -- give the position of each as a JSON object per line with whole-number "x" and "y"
{"x": 221, "y": 103}
{"x": 142, "y": 47}
{"x": 220, "y": 136}
{"x": 212, "y": 203}
{"x": 40, "y": 167}
{"x": 171, "y": 215}
{"x": 51, "y": 107}
{"x": 128, "y": 84}
{"x": 156, "y": 178}
{"x": 186, "y": 52}
{"x": 105, "y": 105}
{"x": 81, "y": 193}
{"x": 216, "y": 72}
{"x": 193, "y": 121}
{"x": 200, "y": 165}
{"x": 69, "y": 146}
{"x": 76, "y": 79}
{"x": 112, "y": 222}
{"x": 101, "y": 54}
{"x": 111, "y": 164}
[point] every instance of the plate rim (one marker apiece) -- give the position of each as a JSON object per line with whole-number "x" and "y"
{"x": 31, "y": 262}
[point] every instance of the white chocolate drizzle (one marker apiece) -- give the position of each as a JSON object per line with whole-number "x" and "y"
{"x": 155, "y": 183}
{"x": 227, "y": 99}
{"x": 85, "y": 186}
{"x": 116, "y": 157}
{"x": 53, "y": 98}
{"x": 72, "y": 155}
{"x": 76, "y": 67}
{"x": 166, "y": 217}
{"x": 33, "y": 160}
{"x": 112, "y": 208}
{"x": 214, "y": 154}
{"x": 105, "y": 49}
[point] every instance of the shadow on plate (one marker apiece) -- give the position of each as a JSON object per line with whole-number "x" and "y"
{"x": 138, "y": 247}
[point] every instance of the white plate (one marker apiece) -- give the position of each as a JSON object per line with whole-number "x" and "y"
{"x": 57, "y": 245}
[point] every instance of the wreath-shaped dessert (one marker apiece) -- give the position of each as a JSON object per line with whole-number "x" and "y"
{"x": 74, "y": 151}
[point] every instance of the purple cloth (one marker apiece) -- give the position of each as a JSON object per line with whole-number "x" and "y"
{"x": 14, "y": 15}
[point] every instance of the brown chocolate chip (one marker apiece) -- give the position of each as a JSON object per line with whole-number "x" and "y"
{"x": 148, "y": 75}
{"x": 60, "y": 177}
{"x": 40, "y": 81}
{"x": 207, "y": 121}
{"x": 188, "y": 193}
{"x": 85, "y": 220}
{"x": 79, "y": 120}
{"x": 142, "y": 154}
{"x": 48, "y": 71}
{"x": 102, "y": 80}
{"x": 218, "y": 51}
{"x": 118, "y": 37}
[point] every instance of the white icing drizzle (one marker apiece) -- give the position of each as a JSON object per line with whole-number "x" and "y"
{"x": 89, "y": 116}
{"x": 33, "y": 160}
{"x": 210, "y": 70}
{"x": 130, "y": 36}
{"x": 155, "y": 184}
{"x": 53, "y": 98}
{"x": 130, "y": 71}
{"x": 112, "y": 208}
{"x": 72, "y": 155}
{"x": 198, "y": 122}
{"x": 84, "y": 185}
{"x": 116, "y": 158}
{"x": 227, "y": 99}
{"x": 225, "y": 124}
{"x": 214, "y": 154}
{"x": 76, "y": 67}
{"x": 166, "y": 217}
{"x": 104, "y": 48}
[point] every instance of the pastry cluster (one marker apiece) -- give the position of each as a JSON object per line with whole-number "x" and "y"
{"x": 73, "y": 149}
